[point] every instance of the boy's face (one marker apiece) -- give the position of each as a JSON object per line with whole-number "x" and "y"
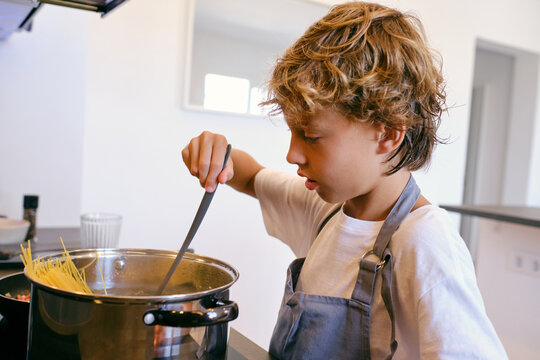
{"x": 339, "y": 158}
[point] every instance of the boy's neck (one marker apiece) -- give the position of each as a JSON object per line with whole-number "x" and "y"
{"x": 377, "y": 203}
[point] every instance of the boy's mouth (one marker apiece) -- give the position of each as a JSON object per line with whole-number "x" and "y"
{"x": 310, "y": 184}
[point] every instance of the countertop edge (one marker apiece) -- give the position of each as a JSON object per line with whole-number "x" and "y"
{"x": 523, "y": 215}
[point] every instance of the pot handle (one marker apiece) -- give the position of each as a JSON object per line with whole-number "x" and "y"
{"x": 218, "y": 311}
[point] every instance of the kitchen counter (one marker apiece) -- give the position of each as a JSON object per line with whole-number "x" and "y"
{"x": 240, "y": 348}
{"x": 523, "y": 215}
{"x": 48, "y": 242}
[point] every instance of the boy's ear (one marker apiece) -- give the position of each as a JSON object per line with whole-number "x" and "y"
{"x": 389, "y": 139}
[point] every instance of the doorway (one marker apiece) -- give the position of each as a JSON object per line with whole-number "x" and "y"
{"x": 501, "y": 127}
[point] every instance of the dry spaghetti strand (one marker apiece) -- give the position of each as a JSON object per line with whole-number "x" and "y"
{"x": 100, "y": 273}
{"x": 61, "y": 273}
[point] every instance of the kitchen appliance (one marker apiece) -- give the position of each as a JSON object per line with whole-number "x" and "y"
{"x": 189, "y": 320}
{"x": 18, "y": 14}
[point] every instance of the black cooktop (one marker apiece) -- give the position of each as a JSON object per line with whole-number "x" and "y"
{"x": 48, "y": 242}
{"x": 13, "y": 344}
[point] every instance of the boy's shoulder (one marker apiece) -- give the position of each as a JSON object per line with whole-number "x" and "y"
{"x": 428, "y": 241}
{"x": 428, "y": 226}
{"x": 427, "y": 218}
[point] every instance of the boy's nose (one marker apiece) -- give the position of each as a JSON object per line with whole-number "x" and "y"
{"x": 295, "y": 155}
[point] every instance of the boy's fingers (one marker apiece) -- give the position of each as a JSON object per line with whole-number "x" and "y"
{"x": 205, "y": 158}
{"x": 186, "y": 158}
{"x": 227, "y": 173}
{"x": 216, "y": 165}
{"x": 193, "y": 151}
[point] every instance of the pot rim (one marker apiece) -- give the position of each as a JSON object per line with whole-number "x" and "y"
{"x": 157, "y": 299}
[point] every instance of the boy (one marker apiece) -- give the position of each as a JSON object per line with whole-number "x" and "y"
{"x": 378, "y": 264}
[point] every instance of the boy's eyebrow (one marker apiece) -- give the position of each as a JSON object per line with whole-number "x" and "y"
{"x": 304, "y": 124}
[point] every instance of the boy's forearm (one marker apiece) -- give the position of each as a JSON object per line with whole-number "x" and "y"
{"x": 245, "y": 169}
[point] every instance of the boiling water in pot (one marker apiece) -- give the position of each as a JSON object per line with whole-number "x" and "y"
{"x": 139, "y": 274}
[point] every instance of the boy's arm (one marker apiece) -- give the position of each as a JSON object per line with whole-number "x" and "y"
{"x": 204, "y": 157}
{"x": 245, "y": 169}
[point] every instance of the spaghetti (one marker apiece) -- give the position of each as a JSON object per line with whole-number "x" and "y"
{"x": 60, "y": 272}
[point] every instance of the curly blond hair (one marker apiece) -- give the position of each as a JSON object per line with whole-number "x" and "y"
{"x": 372, "y": 64}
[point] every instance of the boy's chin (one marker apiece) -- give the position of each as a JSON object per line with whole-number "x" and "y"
{"x": 329, "y": 198}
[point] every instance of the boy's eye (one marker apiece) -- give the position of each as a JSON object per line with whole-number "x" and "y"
{"x": 302, "y": 135}
{"x": 311, "y": 139}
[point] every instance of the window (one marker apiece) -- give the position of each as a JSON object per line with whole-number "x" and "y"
{"x": 233, "y": 94}
{"x": 226, "y": 93}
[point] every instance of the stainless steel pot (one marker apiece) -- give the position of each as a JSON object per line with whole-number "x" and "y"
{"x": 189, "y": 320}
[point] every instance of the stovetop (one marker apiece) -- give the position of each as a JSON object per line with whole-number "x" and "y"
{"x": 12, "y": 340}
{"x": 13, "y": 345}
{"x": 48, "y": 242}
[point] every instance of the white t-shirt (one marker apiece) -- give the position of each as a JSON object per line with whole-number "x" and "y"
{"x": 439, "y": 312}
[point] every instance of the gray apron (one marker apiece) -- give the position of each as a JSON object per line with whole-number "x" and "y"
{"x": 324, "y": 327}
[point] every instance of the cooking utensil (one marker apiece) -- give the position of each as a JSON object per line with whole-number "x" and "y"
{"x": 205, "y": 203}
{"x": 132, "y": 322}
{"x": 10, "y": 307}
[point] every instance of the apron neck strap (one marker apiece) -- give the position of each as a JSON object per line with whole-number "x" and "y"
{"x": 380, "y": 259}
{"x": 374, "y": 260}
{"x": 399, "y": 212}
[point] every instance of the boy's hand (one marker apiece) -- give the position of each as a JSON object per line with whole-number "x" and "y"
{"x": 204, "y": 157}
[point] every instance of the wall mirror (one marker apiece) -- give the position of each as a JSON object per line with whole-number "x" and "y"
{"x": 232, "y": 46}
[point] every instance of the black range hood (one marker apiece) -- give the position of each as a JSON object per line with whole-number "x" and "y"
{"x": 17, "y": 15}
{"x": 101, "y": 6}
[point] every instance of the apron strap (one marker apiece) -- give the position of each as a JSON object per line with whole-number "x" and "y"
{"x": 325, "y": 221}
{"x": 380, "y": 259}
{"x": 399, "y": 212}
{"x": 386, "y": 292}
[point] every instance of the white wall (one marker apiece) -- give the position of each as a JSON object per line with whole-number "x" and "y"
{"x": 510, "y": 291}
{"x": 120, "y": 79}
{"x": 42, "y": 95}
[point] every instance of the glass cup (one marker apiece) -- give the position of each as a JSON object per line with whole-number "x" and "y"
{"x": 100, "y": 230}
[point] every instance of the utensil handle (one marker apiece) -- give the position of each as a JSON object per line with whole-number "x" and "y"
{"x": 203, "y": 207}
{"x": 225, "y": 312}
